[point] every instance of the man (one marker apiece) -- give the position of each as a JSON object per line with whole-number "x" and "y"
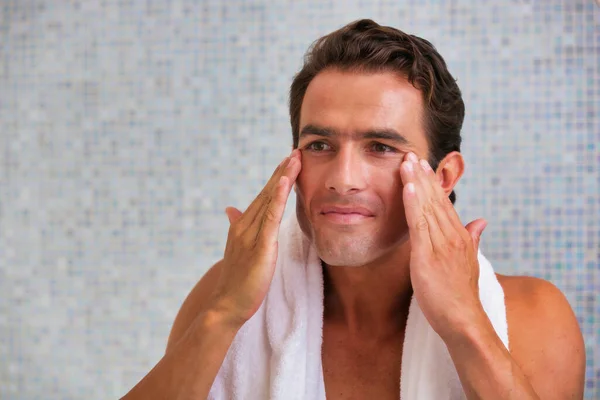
{"x": 376, "y": 120}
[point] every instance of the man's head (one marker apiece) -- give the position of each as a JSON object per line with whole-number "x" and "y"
{"x": 365, "y": 96}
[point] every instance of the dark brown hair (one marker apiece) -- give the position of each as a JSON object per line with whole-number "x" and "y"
{"x": 365, "y": 46}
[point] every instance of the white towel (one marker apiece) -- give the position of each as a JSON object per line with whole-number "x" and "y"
{"x": 277, "y": 354}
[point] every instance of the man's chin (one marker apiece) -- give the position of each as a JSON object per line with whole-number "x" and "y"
{"x": 350, "y": 254}
{"x": 353, "y": 250}
{"x": 346, "y": 260}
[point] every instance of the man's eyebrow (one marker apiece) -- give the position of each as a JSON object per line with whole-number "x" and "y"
{"x": 317, "y": 131}
{"x": 383, "y": 134}
{"x": 386, "y": 134}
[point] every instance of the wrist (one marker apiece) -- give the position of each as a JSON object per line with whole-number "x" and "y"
{"x": 468, "y": 329}
{"x": 219, "y": 315}
{"x": 211, "y": 323}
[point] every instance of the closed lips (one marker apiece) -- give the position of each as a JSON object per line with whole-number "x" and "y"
{"x": 347, "y": 210}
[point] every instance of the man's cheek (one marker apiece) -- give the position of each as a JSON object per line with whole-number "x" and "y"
{"x": 302, "y": 185}
{"x": 398, "y": 212}
{"x": 302, "y": 216}
{"x": 301, "y": 206}
{"x": 299, "y": 190}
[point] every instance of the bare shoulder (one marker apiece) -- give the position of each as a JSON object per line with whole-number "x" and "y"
{"x": 194, "y": 303}
{"x": 544, "y": 336}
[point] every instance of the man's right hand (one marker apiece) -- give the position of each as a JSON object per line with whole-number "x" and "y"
{"x": 251, "y": 250}
{"x": 188, "y": 368}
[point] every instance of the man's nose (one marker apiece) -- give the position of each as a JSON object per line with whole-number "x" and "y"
{"x": 346, "y": 174}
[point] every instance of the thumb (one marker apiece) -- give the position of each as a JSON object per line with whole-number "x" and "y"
{"x": 233, "y": 214}
{"x": 475, "y": 229}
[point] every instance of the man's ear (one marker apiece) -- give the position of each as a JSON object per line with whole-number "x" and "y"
{"x": 450, "y": 170}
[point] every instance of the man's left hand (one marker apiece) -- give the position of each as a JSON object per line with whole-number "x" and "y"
{"x": 444, "y": 270}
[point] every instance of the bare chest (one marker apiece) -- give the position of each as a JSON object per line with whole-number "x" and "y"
{"x": 352, "y": 371}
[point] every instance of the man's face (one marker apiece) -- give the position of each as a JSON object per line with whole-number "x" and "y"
{"x": 355, "y": 129}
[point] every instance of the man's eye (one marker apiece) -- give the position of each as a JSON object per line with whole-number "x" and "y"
{"x": 318, "y": 146}
{"x": 382, "y": 148}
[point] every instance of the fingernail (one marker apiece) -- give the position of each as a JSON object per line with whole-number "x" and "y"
{"x": 409, "y": 166}
{"x": 425, "y": 165}
{"x": 413, "y": 157}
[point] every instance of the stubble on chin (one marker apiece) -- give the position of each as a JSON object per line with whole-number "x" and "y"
{"x": 341, "y": 249}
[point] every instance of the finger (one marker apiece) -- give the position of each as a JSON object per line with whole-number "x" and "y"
{"x": 269, "y": 230}
{"x": 418, "y": 226}
{"x": 252, "y": 211}
{"x": 424, "y": 194}
{"x": 441, "y": 204}
{"x": 447, "y": 215}
{"x": 269, "y": 210}
{"x": 287, "y": 168}
{"x": 233, "y": 214}
{"x": 444, "y": 199}
{"x": 475, "y": 229}
{"x": 406, "y": 174}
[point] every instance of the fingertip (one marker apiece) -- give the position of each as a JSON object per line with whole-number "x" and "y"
{"x": 228, "y": 214}
{"x": 484, "y": 225}
{"x": 407, "y": 171}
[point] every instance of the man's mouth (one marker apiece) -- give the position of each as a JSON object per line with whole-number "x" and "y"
{"x": 346, "y": 214}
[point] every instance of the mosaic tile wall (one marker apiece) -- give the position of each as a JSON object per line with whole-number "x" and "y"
{"x": 127, "y": 126}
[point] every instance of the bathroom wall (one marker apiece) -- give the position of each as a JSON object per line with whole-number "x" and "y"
{"x": 127, "y": 126}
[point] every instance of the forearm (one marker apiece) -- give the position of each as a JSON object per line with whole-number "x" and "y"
{"x": 485, "y": 367}
{"x": 189, "y": 369}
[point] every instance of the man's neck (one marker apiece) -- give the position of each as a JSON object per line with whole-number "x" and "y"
{"x": 371, "y": 302}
